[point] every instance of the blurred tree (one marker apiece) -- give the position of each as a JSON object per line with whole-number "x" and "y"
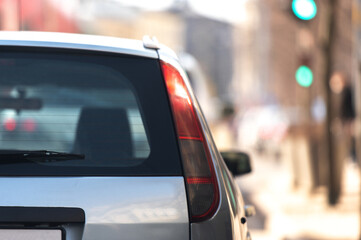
{"x": 334, "y": 179}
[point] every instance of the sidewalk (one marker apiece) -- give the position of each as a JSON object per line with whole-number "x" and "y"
{"x": 284, "y": 213}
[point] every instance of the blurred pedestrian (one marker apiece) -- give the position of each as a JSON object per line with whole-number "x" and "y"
{"x": 341, "y": 86}
{"x": 348, "y": 116}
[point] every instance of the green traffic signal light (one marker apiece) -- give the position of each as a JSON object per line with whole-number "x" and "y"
{"x": 304, "y": 9}
{"x": 304, "y": 76}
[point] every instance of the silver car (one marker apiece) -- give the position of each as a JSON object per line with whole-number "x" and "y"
{"x": 102, "y": 138}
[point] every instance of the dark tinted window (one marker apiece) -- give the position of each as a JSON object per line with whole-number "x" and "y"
{"x": 111, "y": 108}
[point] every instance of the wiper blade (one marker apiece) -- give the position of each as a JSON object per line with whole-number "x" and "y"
{"x": 21, "y": 156}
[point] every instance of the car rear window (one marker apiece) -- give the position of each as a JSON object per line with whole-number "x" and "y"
{"x": 112, "y": 108}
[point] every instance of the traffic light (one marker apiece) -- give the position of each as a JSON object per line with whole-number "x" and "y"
{"x": 304, "y": 73}
{"x": 304, "y": 9}
{"x": 304, "y": 76}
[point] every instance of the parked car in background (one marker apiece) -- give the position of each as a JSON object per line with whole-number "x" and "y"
{"x": 103, "y": 138}
{"x": 202, "y": 87}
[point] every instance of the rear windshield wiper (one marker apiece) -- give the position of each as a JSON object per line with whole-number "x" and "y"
{"x": 23, "y": 156}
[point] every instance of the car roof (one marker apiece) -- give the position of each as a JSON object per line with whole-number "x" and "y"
{"x": 76, "y": 41}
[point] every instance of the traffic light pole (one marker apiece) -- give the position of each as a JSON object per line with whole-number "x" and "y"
{"x": 333, "y": 181}
{"x": 356, "y": 24}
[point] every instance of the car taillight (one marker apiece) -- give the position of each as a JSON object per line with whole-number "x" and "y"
{"x": 10, "y": 124}
{"x": 201, "y": 183}
{"x": 28, "y": 125}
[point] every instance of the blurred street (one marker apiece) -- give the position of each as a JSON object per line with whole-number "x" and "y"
{"x": 284, "y": 212}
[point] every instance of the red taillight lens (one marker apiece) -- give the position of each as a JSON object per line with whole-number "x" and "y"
{"x": 201, "y": 183}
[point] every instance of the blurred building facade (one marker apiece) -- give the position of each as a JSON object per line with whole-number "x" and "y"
{"x": 250, "y": 84}
{"x": 211, "y": 41}
{"x": 38, "y": 15}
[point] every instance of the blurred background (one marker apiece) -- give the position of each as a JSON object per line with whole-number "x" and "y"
{"x": 279, "y": 79}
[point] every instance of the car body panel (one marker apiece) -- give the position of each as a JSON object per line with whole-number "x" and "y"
{"x": 127, "y": 207}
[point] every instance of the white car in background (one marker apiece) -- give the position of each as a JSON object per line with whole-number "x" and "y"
{"x": 262, "y": 129}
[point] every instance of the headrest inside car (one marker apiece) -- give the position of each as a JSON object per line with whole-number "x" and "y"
{"x": 103, "y": 135}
